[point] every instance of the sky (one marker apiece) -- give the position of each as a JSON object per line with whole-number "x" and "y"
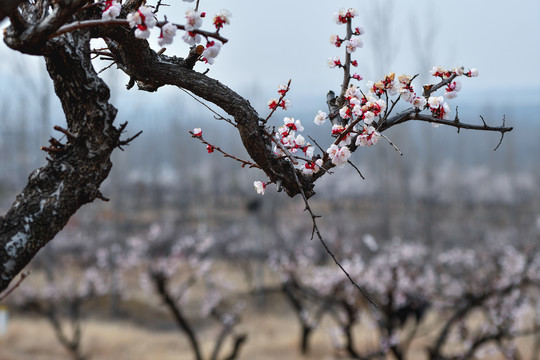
{"x": 271, "y": 42}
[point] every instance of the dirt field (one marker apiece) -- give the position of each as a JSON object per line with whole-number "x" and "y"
{"x": 269, "y": 337}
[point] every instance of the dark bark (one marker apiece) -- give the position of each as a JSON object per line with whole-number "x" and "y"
{"x": 73, "y": 175}
{"x": 160, "y": 283}
{"x": 296, "y": 303}
{"x": 7, "y": 7}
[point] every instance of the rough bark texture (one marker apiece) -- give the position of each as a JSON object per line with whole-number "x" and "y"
{"x": 73, "y": 174}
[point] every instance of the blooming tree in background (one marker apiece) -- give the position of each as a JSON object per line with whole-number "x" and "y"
{"x": 172, "y": 264}
{"x": 61, "y": 32}
{"x": 470, "y": 304}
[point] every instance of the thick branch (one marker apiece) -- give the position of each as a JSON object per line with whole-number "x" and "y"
{"x": 8, "y": 6}
{"x": 73, "y": 176}
{"x": 135, "y": 57}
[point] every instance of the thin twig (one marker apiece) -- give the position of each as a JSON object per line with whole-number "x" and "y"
{"x": 23, "y": 276}
{"x": 159, "y": 3}
{"x": 218, "y": 149}
{"x": 218, "y": 116}
{"x": 320, "y": 148}
{"x": 358, "y": 170}
{"x": 106, "y": 67}
{"x": 315, "y": 230}
{"x": 278, "y": 102}
{"x": 502, "y": 134}
{"x": 128, "y": 140}
{"x": 391, "y": 143}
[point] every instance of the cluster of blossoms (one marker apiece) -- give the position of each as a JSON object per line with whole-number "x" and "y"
{"x": 338, "y": 155}
{"x": 358, "y": 106}
{"x": 342, "y": 16}
{"x": 387, "y": 85}
{"x": 286, "y": 134}
{"x": 407, "y": 93}
{"x": 453, "y": 87}
{"x": 296, "y": 144}
{"x": 112, "y": 10}
{"x": 439, "y": 108}
{"x": 443, "y": 73}
{"x": 221, "y": 18}
{"x": 351, "y": 43}
{"x": 143, "y": 20}
{"x": 275, "y": 103}
{"x": 283, "y": 103}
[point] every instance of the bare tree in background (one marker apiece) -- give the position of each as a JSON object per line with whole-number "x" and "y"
{"x": 61, "y": 31}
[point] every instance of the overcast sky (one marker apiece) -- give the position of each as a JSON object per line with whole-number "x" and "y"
{"x": 273, "y": 41}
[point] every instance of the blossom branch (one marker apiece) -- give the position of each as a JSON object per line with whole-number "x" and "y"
{"x": 211, "y": 148}
{"x": 123, "y": 22}
{"x": 347, "y": 65}
{"x": 430, "y": 89}
{"x": 273, "y": 110}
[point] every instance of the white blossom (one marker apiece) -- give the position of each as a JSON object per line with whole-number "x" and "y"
{"x": 193, "y": 20}
{"x": 112, "y": 11}
{"x": 191, "y": 38}
{"x": 338, "y": 155}
{"x": 168, "y": 31}
{"x": 321, "y": 117}
{"x": 260, "y": 187}
{"x": 210, "y": 53}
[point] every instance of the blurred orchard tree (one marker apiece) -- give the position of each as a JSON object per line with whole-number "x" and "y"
{"x": 61, "y": 32}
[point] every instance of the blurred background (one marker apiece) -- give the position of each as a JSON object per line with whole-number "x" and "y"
{"x": 448, "y": 191}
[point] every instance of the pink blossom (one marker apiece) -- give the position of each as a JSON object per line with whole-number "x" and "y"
{"x": 312, "y": 167}
{"x": 472, "y": 73}
{"x": 197, "y": 132}
{"x": 452, "y": 89}
{"x": 435, "y": 101}
{"x": 282, "y": 89}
